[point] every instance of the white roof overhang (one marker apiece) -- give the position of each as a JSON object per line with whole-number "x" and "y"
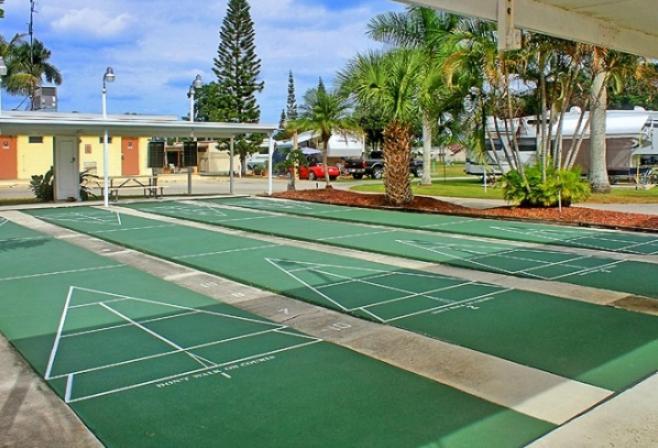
{"x": 61, "y": 124}
{"x": 630, "y": 26}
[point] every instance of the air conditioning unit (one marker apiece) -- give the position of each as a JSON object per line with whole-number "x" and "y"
{"x": 45, "y": 98}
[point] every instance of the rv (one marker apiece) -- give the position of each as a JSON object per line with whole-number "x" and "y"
{"x": 631, "y": 138}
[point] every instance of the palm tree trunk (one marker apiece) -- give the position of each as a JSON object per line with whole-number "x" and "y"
{"x": 325, "y": 161}
{"x": 397, "y": 155}
{"x": 598, "y": 169}
{"x": 427, "y": 150}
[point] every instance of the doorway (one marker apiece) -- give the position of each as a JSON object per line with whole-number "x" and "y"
{"x": 129, "y": 156}
{"x": 8, "y": 158}
{"x": 67, "y": 171}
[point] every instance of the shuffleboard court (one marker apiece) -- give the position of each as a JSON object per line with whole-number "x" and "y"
{"x": 499, "y": 257}
{"x": 586, "y": 238}
{"x": 145, "y": 363}
{"x": 602, "y": 346}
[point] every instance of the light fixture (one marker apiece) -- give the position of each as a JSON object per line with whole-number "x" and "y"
{"x": 3, "y": 67}
{"x": 109, "y": 75}
{"x": 198, "y": 82}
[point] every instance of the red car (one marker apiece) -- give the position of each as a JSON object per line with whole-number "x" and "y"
{"x": 316, "y": 171}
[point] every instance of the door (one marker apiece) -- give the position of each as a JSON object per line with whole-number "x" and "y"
{"x": 8, "y": 158}
{"x": 67, "y": 171}
{"x": 129, "y": 156}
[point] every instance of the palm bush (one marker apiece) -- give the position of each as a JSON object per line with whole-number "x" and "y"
{"x": 565, "y": 185}
{"x": 42, "y": 186}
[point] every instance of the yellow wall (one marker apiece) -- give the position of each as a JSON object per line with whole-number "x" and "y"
{"x": 33, "y": 158}
{"x": 37, "y": 158}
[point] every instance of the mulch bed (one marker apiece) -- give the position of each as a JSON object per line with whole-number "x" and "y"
{"x": 571, "y": 215}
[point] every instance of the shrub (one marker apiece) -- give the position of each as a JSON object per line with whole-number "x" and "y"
{"x": 42, "y": 186}
{"x": 567, "y": 183}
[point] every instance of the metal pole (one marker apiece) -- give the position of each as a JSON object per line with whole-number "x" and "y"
{"x": 269, "y": 164}
{"x": 106, "y": 155}
{"x": 0, "y": 96}
{"x": 231, "y": 168}
{"x": 189, "y": 168}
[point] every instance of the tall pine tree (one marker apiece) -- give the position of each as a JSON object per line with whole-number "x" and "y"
{"x": 237, "y": 67}
{"x": 291, "y": 107}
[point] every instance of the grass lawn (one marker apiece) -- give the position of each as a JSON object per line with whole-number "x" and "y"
{"x": 449, "y": 188}
{"x": 473, "y": 189}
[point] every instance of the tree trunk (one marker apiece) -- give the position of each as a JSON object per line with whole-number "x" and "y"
{"x": 325, "y": 160}
{"x": 397, "y": 156}
{"x": 598, "y": 169}
{"x": 427, "y": 150}
{"x": 295, "y": 148}
{"x": 243, "y": 164}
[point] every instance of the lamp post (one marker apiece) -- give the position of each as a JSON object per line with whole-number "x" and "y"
{"x": 196, "y": 84}
{"x": 3, "y": 72}
{"x": 109, "y": 76}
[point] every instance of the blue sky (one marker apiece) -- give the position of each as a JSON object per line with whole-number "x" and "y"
{"x": 157, "y": 47}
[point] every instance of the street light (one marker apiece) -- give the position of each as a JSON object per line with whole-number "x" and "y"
{"x": 109, "y": 76}
{"x": 196, "y": 84}
{"x": 3, "y": 72}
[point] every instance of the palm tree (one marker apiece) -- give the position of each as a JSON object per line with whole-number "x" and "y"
{"x": 28, "y": 67}
{"x": 608, "y": 67}
{"x": 388, "y": 82}
{"x": 426, "y": 30}
{"x": 325, "y": 113}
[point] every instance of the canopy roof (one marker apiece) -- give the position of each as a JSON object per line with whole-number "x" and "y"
{"x": 63, "y": 124}
{"x": 626, "y": 25}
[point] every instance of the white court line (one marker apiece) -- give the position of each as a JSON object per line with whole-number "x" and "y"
{"x": 180, "y": 307}
{"x": 318, "y": 292}
{"x": 392, "y": 288}
{"x": 3, "y": 221}
{"x": 229, "y": 251}
{"x": 591, "y": 270}
{"x": 433, "y": 291}
{"x": 58, "y": 335}
{"x": 72, "y": 271}
{"x": 447, "y": 306}
{"x": 126, "y": 229}
{"x": 75, "y": 217}
{"x": 114, "y": 327}
{"x": 69, "y": 388}
{"x": 119, "y": 218}
{"x": 356, "y": 235}
{"x": 204, "y": 362}
{"x": 171, "y": 377}
{"x": 160, "y": 355}
{"x": 29, "y": 238}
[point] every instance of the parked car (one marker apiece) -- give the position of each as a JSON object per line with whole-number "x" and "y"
{"x": 316, "y": 171}
{"x": 373, "y": 166}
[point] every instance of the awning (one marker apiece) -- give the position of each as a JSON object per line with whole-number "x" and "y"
{"x": 71, "y": 124}
{"x": 627, "y": 25}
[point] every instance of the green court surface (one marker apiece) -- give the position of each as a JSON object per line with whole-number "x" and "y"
{"x": 499, "y": 257}
{"x": 603, "y": 346}
{"x": 587, "y": 238}
{"x": 145, "y": 363}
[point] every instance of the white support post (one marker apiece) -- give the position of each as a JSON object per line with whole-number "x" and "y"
{"x": 231, "y": 166}
{"x": 269, "y": 164}
{"x": 509, "y": 38}
{"x": 106, "y": 151}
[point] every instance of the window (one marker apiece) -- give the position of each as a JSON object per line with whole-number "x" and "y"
{"x": 35, "y": 139}
{"x": 109, "y": 140}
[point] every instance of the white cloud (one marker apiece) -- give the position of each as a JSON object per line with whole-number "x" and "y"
{"x": 92, "y": 22}
{"x": 157, "y": 47}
